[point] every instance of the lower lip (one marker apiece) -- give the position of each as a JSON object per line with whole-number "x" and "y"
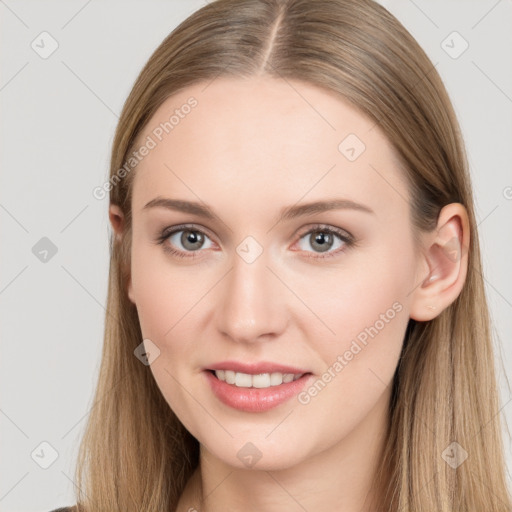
{"x": 255, "y": 399}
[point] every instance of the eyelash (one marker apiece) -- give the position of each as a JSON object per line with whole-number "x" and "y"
{"x": 347, "y": 239}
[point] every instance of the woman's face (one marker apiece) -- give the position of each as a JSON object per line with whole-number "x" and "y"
{"x": 260, "y": 280}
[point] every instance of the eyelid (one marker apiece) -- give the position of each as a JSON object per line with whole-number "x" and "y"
{"x": 325, "y": 227}
{"x": 167, "y": 232}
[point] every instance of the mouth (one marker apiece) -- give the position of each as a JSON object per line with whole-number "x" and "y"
{"x": 255, "y": 393}
{"x": 260, "y": 380}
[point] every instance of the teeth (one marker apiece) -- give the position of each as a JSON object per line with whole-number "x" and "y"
{"x": 262, "y": 380}
{"x": 243, "y": 380}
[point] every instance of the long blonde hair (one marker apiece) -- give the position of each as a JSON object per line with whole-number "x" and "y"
{"x": 135, "y": 454}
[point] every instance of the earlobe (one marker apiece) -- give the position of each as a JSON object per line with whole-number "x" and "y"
{"x": 446, "y": 257}
{"x": 130, "y": 291}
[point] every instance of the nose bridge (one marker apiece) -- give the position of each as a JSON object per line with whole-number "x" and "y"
{"x": 251, "y": 304}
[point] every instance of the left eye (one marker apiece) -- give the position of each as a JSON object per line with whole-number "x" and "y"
{"x": 323, "y": 240}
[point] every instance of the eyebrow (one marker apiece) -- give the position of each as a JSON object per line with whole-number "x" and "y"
{"x": 287, "y": 213}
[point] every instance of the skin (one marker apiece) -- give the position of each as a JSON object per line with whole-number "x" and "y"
{"x": 250, "y": 148}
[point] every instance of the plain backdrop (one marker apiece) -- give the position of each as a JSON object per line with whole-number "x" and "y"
{"x": 58, "y": 115}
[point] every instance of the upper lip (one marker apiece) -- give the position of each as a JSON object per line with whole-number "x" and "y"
{"x": 256, "y": 368}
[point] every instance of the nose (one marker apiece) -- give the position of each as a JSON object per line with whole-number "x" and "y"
{"x": 252, "y": 302}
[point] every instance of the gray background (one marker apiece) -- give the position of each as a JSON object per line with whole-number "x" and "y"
{"x": 58, "y": 118}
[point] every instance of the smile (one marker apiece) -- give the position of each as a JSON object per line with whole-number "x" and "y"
{"x": 255, "y": 392}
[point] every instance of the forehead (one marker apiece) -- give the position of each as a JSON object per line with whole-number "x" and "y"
{"x": 264, "y": 138}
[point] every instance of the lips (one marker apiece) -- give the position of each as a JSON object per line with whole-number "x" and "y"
{"x": 256, "y": 368}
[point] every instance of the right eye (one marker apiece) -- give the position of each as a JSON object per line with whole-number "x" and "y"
{"x": 183, "y": 240}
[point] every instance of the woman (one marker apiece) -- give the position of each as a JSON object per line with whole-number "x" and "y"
{"x": 296, "y": 310}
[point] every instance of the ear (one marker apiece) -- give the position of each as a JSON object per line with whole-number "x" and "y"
{"x": 443, "y": 264}
{"x": 117, "y": 219}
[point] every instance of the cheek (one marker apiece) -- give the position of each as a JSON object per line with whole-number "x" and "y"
{"x": 361, "y": 294}
{"x": 162, "y": 295}
{"x": 366, "y": 307}
{"x": 358, "y": 363}
{"x": 164, "y": 299}
{"x": 361, "y": 359}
